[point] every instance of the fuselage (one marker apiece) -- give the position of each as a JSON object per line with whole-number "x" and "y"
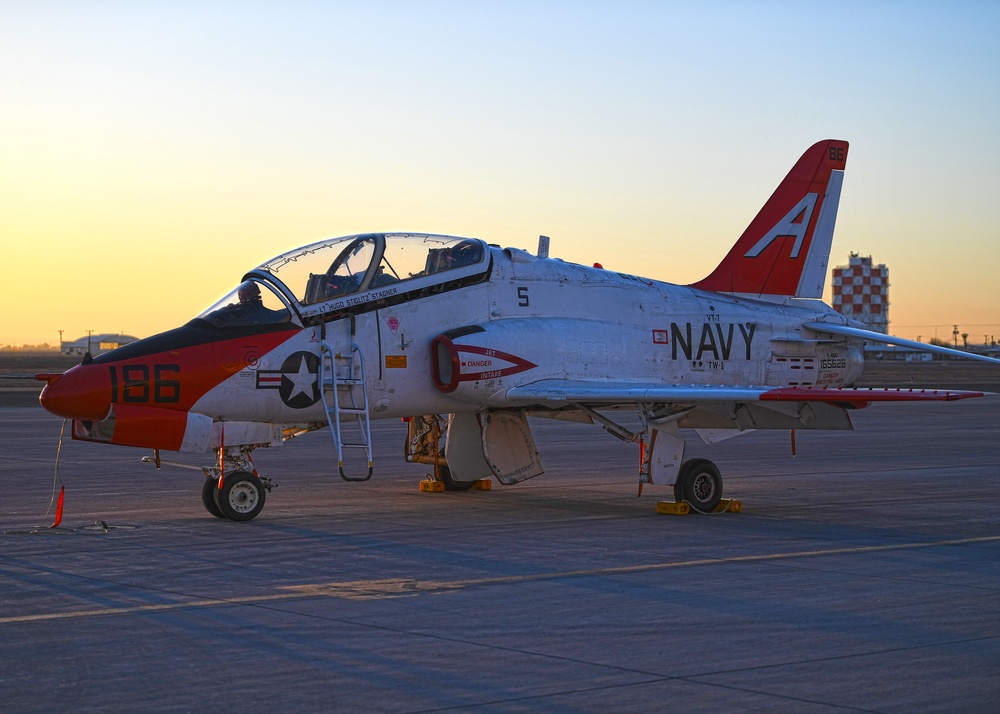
{"x": 445, "y": 341}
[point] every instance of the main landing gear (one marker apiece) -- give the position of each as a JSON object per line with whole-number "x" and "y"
{"x": 697, "y": 482}
{"x": 700, "y": 484}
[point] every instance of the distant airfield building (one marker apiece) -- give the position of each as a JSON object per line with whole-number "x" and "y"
{"x": 861, "y": 292}
{"x": 96, "y": 343}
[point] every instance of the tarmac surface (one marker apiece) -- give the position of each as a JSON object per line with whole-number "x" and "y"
{"x": 862, "y": 575}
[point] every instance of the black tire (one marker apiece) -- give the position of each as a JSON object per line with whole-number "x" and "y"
{"x": 700, "y": 484}
{"x": 241, "y": 497}
{"x": 450, "y": 484}
{"x": 208, "y": 490}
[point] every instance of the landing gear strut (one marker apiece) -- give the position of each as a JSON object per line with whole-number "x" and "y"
{"x": 422, "y": 446}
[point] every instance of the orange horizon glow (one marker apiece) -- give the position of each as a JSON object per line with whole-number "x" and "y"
{"x": 151, "y": 154}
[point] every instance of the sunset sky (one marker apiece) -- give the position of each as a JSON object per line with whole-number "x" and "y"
{"x": 152, "y": 152}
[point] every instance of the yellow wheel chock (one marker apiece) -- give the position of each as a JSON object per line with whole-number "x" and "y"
{"x": 429, "y": 485}
{"x": 672, "y": 508}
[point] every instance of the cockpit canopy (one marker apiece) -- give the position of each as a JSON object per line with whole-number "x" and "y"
{"x": 348, "y": 271}
{"x": 357, "y": 264}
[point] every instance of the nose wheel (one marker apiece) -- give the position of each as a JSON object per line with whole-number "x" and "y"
{"x": 241, "y": 497}
{"x": 208, "y": 489}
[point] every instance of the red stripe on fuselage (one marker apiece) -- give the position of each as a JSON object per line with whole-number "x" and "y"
{"x": 172, "y": 379}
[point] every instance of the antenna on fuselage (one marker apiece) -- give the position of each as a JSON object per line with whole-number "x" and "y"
{"x": 543, "y": 246}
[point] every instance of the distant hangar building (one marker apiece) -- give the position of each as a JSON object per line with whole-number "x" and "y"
{"x": 97, "y": 344}
{"x": 861, "y": 292}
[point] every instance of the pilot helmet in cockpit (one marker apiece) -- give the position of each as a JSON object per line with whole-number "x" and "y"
{"x": 248, "y": 292}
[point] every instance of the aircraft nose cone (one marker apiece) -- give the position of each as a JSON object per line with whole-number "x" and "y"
{"x": 83, "y": 392}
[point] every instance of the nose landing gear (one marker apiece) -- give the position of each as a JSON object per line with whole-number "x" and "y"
{"x": 243, "y": 491}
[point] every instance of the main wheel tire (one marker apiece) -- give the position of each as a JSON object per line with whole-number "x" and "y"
{"x": 208, "y": 490}
{"x": 241, "y": 497}
{"x": 450, "y": 484}
{"x": 700, "y": 484}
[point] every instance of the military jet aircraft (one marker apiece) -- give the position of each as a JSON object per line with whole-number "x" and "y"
{"x": 468, "y": 340}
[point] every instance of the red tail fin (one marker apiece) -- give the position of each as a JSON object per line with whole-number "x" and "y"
{"x": 786, "y": 249}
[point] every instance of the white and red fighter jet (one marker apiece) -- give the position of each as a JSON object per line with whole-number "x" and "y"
{"x": 472, "y": 339}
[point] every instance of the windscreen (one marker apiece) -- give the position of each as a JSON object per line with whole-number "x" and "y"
{"x": 250, "y": 303}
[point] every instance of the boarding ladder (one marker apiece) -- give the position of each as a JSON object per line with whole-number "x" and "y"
{"x": 345, "y": 395}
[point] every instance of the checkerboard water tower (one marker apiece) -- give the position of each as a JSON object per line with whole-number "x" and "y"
{"x": 861, "y": 292}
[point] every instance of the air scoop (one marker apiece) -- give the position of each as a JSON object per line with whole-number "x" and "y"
{"x": 83, "y": 392}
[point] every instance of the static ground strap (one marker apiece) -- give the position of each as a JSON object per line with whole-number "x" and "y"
{"x": 57, "y": 478}
{"x": 59, "y": 507}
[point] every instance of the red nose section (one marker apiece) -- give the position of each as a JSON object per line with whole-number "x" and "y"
{"x": 83, "y": 392}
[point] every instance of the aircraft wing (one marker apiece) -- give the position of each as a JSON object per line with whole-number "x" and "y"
{"x": 722, "y": 412}
{"x": 556, "y": 392}
{"x": 878, "y": 337}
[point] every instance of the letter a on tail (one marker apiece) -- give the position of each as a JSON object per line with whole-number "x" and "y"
{"x": 785, "y": 250}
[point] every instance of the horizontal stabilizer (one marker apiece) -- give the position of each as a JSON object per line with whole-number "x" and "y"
{"x": 878, "y": 337}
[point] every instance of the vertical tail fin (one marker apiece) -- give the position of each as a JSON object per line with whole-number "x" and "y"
{"x": 786, "y": 249}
